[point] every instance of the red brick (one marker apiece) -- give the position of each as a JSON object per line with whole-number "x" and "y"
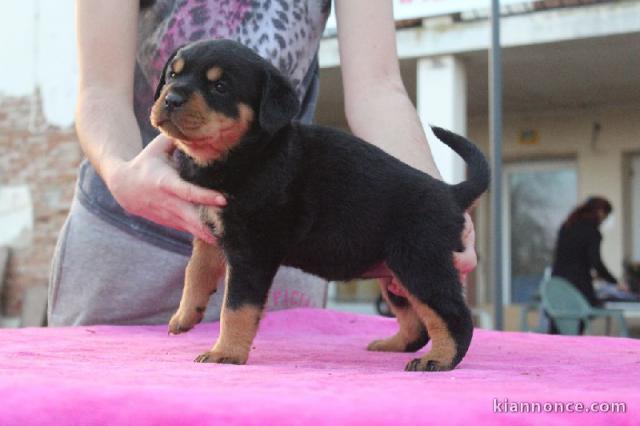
{"x": 46, "y": 161}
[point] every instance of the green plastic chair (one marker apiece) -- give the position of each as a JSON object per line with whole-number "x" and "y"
{"x": 533, "y": 305}
{"x": 567, "y": 307}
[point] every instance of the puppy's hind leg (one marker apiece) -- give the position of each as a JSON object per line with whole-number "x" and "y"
{"x": 205, "y": 268}
{"x": 435, "y": 295}
{"x": 411, "y": 336}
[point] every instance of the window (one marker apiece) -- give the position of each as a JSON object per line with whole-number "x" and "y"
{"x": 538, "y": 197}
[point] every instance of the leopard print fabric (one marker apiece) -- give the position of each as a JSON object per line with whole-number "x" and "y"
{"x": 286, "y": 32}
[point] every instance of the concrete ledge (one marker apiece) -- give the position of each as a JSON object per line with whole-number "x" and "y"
{"x": 443, "y": 37}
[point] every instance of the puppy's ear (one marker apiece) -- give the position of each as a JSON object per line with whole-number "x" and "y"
{"x": 279, "y": 103}
{"x": 163, "y": 74}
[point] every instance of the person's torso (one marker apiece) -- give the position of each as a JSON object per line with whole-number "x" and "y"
{"x": 572, "y": 250}
{"x": 285, "y": 32}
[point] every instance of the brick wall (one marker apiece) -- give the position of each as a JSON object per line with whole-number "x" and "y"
{"x": 46, "y": 159}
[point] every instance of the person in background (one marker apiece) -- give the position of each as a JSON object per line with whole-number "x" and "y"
{"x": 577, "y": 253}
{"x": 121, "y": 255}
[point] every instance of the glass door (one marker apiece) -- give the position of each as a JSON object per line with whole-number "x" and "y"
{"x": 538, "y": 197}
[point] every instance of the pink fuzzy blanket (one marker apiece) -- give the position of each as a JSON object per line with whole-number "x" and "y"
{"x": 309, "y": 367}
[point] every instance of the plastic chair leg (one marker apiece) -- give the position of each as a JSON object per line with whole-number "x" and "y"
{"x": 622, "y": 323}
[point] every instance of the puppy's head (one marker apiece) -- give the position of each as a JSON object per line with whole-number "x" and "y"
{"x": 213, "y": 93}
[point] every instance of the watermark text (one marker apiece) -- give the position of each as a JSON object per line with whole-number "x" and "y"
{"x": 504, "y": 406}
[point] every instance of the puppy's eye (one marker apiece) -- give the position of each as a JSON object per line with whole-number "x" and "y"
{"x": 220, "y": 86}
{"x": 172, "y": 74}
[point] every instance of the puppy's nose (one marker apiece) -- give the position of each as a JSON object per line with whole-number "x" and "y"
{"x": 174, "y": 100}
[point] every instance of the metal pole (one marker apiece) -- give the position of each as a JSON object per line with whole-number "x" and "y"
{"x": 495, "y": 113}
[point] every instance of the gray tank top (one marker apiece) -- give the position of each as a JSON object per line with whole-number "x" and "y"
{"x": 286, "y": 32}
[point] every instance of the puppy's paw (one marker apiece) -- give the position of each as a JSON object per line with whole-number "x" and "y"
{"x": 427, "y": 364}
{"x": 185, "y": 319}
{"x": 219, "y": 357}
{"x": 392, "y": 344}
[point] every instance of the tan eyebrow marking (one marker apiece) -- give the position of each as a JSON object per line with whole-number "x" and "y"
{"x": 178, "y": 65}
{"x": 214, "y": 73}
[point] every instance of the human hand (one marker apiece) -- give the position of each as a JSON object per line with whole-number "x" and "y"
{"x": 149, "y": 186}
{"x": 623, "y": 286}
{"x": 466, "y": 260}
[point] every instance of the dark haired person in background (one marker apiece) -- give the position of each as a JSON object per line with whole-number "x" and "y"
{"x": 577, "y": 251}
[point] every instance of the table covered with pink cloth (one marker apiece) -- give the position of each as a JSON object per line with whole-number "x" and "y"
{"x": 309, "y": 367}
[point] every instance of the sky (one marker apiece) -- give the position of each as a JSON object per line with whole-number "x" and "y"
{"x": 39, "y": 51}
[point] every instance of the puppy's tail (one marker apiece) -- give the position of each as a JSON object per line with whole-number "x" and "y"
{"x": 477, "y": 168}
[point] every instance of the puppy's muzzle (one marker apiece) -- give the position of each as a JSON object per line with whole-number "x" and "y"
{"x": 174, "y": 100}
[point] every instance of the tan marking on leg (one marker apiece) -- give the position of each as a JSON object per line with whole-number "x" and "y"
{"x": 205, "y": 268}
{"x": 178, "y": 65}
{"x": 238, "y": 328}
{"x": 443, "y": 349}
{"x": 410, "y": 325}
{"x": 214, "y": 73}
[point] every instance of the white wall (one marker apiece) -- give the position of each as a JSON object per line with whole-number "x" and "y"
{"x": 566, "y": 134}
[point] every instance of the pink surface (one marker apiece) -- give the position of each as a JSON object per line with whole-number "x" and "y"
{"x": 308, "y": 367}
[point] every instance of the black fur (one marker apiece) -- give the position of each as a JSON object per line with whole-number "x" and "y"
{"x": 327, "y": 202}
{"x": 144, "y": 4}
{"x": 398, "y": 301}
{"x": 163, "y": 76}
{"x": 419, "y": 343}
{"x": 279, "y": 103}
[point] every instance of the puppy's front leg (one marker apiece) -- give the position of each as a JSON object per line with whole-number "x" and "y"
{"x": 205, "y": 268}
{"x": 246, "y": 289}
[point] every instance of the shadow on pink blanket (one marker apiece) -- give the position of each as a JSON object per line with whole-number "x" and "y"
{"x": 310, "y": 367}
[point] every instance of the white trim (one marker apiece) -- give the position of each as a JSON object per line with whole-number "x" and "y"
{"x": 445, "y": 38}
{"x": 416, "y": 9}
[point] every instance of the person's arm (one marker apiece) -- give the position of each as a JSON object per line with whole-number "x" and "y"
{"x": 595, "y": 261}
{"x": 377, "y": 105}
{"x": 142, "y": 181}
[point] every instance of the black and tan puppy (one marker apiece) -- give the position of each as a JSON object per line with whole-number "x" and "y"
{"x": 310, "y": 197}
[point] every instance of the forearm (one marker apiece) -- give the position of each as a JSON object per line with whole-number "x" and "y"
{"x": 596, "y": 261}
{"x": 377, "y": 106}
{"x": 107, "y": 130}
{"x": 385, "y": 117}
{"x": 105, "y": 122}
{"x": 604, "y": 273}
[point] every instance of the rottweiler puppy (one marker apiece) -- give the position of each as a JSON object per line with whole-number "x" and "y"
{"x": 310, "y": 197}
